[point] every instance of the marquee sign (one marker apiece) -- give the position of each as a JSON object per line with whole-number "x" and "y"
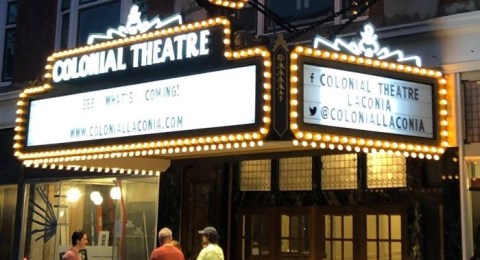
{"x": 362, "y": 102}
{"x": 165, "y": 91}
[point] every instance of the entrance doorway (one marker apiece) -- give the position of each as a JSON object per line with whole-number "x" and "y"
{"x": 350, "y": 233}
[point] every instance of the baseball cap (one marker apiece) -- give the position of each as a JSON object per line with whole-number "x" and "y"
{"x": 208, "y": 230}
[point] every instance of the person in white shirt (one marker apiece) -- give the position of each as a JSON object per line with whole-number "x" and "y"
{"x": 211, "y": 250}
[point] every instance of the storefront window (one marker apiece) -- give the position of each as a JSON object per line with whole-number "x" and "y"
{"x": 473, "y": 169}
{"x": 472, "y": 111}
{"x": 295, "y": 173}
{"x": 255, "y": 175}
{"x": 386, "y": 171}
{"x": 118, "y": 215}
{"x": 8, "y": 203}
{"x": 339, "y": 172}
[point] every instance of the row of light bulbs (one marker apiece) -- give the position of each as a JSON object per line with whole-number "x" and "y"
{"x": 74, "y": 194}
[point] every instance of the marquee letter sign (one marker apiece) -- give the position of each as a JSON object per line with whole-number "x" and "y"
{"x": 162, "y": 91}
{"x": 361, "y": 102}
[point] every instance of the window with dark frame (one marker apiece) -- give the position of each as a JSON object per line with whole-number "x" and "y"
{"x": 472, "y": 111}
{"x": 77, "y": 19}
{"x": 9, "y": 40}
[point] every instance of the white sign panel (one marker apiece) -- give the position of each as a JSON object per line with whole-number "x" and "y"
{"x": 345, "y": 99}
{"x": 208, "y": 100}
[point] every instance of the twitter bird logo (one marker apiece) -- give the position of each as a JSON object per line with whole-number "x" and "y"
{"x": 313, "y": 111}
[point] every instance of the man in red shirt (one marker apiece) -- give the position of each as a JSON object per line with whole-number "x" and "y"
{"x": 166, "y": 251}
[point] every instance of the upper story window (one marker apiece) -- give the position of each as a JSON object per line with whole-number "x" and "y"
{"x": 472, "y": 111}
{"x": 8, "y": 20}
{"x": 77, "y": 19}
{"x": 296, "y": 12}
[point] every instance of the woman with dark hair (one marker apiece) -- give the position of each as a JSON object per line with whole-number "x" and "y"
{"x": 79, "y": 241}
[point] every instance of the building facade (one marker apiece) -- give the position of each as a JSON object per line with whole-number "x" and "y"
{"x": 269, "y": 198}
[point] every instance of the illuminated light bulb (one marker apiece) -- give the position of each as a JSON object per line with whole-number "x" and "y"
{"x": 331, "y": 146}
{"x": 294, "y": 114}
{"x": 318, "y": 137}
{"x": 436, "y": 157}
{"x": 335, "y": 56}
{"x": 357, "y": 149}
{"x": 293, "y": 126}
{"x": 309, "y": 136}
{"x": 323, "y": 145}
{"x": 326, "y": 54}
{"x": 317, "y": 52}
{"x": 73, "y": 195}
{"x": 313, "y": 145}
{"x": 343, "y": 57}
{"x": 294, "y": 79}
{"x": 443, "y": 112}
{"x": 309, "y": 51}
{"x": 295, "y": 142}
